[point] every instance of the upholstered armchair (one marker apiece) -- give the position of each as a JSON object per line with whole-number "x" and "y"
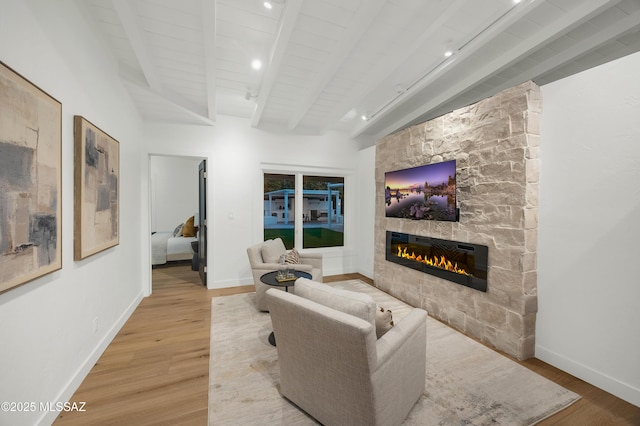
{"x": 264, "y": 258}
{"x": 333, "y": 366}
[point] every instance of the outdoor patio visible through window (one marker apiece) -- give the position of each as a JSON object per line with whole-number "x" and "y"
{"x": 321, "y": 213}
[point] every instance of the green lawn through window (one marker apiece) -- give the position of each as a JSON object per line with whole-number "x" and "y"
{"x": 311, "y": 237}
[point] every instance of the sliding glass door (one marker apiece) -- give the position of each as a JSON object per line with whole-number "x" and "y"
{"x": 323, "y": 211}
{"x": 279, "y": 208}
{"x": 312, "y": 203}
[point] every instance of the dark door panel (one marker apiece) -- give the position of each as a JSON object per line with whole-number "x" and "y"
{"x": 202, "y": 241}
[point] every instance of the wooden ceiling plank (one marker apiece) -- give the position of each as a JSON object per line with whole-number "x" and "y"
{"x": 186, "y": 106}
{"x": 287, "y": 24}
{"x": 351, "y": 37}
{"x": 132, "y": 28}
{"x": 381, "y": 74}
{"x": 151, "y": 71}
{"x": 209, "y": 43}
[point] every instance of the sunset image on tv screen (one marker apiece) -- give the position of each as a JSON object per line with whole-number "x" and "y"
{"x": 422, "y": 193}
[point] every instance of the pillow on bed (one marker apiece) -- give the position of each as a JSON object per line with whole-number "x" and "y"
{"x": 188, "y": 230}
{"x": 178, "y": 231}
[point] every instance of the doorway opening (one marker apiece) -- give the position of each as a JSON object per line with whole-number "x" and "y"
{"x": 177, "y": 220}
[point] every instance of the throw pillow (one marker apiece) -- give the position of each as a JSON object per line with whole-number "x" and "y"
{"x": 293, "y": 257}
{"x": 178, "y": 231}
{"x": 272, "y": 250}
{"x": 188, "y": 229}
{"x": 384, "y": 321}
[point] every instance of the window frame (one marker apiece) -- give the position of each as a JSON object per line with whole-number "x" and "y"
{"x": 299, "y": 172}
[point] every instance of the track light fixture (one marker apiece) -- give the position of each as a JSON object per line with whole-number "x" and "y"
{"x": 249, "y": 95}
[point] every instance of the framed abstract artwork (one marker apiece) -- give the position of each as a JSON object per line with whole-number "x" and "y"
{"x": 96, "y": 198}
{"x": 30, "y": 181}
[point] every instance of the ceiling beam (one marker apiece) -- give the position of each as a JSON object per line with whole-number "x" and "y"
{"x": 627, "y": 25}
{"x": 177, "y": 101}
{"x": 287, "y": 24}
{"x": 382, "y": 73}
{"x": 133, "y": 29}
{"x": 570, "y": 20}
{"x": 209, "y": 43}
{"x": 364, "y": 17}
{"x": 631, "y": 23}
{"x": 482, "y": 39}
{"x": 153, "y": 84}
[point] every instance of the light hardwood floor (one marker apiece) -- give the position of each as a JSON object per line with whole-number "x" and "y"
{"x": 156, "y": 370}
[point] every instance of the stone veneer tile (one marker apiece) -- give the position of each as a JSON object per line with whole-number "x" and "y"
{"x": 528, "y": 262}
{"x": 529, "y": 282}
{"x": 533, "y": 170}
{"x": 533, "y": 145}
{"x": 456, "y": 318}
{"x": 531, "y": 218}
{"x": 533, "y": 123}
{"x": 495, "y": 143}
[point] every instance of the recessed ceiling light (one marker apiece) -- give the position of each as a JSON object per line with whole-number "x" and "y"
{"x": 268, "y": 5}
{"x": 448, "y": 53}
{"x": 256, "y": 64}
{"x": 364, "y": 117}
{"x": 516, "y": 1}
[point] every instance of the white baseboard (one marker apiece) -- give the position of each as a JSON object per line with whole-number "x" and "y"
{"x": 67, "y": 392}
{"x": 231, "y": 283}
{"x": 603, "y": 381}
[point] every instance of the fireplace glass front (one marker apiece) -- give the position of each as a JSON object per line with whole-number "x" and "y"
{"x": 461, "y": 263}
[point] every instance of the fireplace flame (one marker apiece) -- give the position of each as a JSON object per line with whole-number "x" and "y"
{"x": 442, "y": 262}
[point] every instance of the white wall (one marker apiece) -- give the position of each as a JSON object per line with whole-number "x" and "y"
{"x": 46, "y": 326}
{"x": 174, "y": 190}
{"x": 237, "y": 155}
{"x": 589, "y": 227}
{"x": 366, "y": 192}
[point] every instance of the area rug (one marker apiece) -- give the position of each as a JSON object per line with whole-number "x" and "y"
{"x": 466, "y": 383}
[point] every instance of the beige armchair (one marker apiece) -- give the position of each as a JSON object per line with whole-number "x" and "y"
{"x": 331, "y": 364}
{"x": 264, "y": 258}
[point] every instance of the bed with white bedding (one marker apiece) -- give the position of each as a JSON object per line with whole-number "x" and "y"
{"x": 166, "y": 248}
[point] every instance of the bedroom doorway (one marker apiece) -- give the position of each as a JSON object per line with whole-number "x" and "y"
{"x": 176, "y": 241}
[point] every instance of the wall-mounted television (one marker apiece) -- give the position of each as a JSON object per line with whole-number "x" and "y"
{"x": 422, "y": 193}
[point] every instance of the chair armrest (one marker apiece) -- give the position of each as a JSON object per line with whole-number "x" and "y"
{"x": 401, "y": 367}
{"x": 410, "y": 328}
{"x": 266, "y": 267}
{"x": 302, "y": 267}
{"x": 311, "y": 255}
{"x": 314, "y": 259}
{"x": 263, "y": 268}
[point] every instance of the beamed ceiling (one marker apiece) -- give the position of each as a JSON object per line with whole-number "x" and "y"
{"x": 364, "y": 67}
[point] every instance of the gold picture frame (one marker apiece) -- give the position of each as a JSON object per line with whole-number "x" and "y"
{"x": 30, "y": 181}
{"x": 97, "y": 189}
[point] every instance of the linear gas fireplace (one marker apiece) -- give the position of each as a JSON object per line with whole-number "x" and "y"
{"x": 461, "y": 263}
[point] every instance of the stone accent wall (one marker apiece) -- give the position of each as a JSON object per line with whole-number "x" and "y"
{"x": 496, "y": 145}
